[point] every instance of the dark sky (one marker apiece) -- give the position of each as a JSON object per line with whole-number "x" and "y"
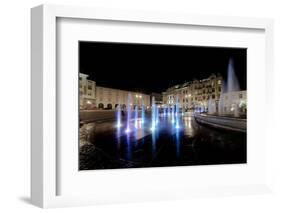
{"x": 154, "y": 68}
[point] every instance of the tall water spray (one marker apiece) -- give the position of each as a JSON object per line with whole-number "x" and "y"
{"x": 136, "y": 117}
{"x": 168, "y": 111}
{"x": 173, "y": 114}
{"x": 211, "y": 106}
{"x": 118, "y": 116}
{"x": 177, "y": 114}
{"x": 229, "y": 86}
{"x": 157, "y": 114}
{"x": 153, "y": 116}
{"x": 128, "y": 129}
{"x": 232, "y": 83}
{"x": 142, "y": 114}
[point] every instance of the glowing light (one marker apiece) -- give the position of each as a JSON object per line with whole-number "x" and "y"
{"x": 157, "y": 115}
{"x": 177, "y": 112}
{"x": 142, "y": 114}
{"x": 118, "y": 125}
{"x": 128, "y": 114}
{"x": 89, "y": 102}
{"x": 172, "y": 114}
{"x": 154, "y": 115}
{"x": 118, "y": 115}
{"x": 136, "y": 117}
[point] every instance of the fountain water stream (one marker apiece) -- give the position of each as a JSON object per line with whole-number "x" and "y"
{"x": 128, "y": 129}
{"x": 142, "y": 114}
{"x": 231, "y": 85}
{"x": 153, "y": 116}
{"x": 136, "y": 117}
{"x": 118, "y": 115}
{"x": 177, "y": 113}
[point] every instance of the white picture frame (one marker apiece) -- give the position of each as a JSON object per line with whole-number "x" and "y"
{"x": 44, "y": 154}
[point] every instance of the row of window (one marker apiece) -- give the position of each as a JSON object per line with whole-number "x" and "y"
{"x": 240, "y": 96}
{"x": 90, "y": 85}
{"x": 205, "y": 85}
{"x": 199, "y": 98}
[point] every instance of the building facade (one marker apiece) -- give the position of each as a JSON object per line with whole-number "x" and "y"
{"x": 97, "y": 97}
{"x": 233, "y": 102}
{"x": 111, "y": 98}
{"x": 156, "y": 98}
{"x": 194, "y": 94}
{"x": 205, "y": 94}
{"x": 87, "y": 91}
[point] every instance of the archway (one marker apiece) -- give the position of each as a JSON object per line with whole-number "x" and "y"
{"x": 109, "y": 106}
{"x": 101, "y": 106}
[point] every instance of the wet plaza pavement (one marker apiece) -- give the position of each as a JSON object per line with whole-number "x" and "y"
{"x": 187, "y": 144}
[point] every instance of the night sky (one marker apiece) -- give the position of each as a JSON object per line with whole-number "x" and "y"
{"x": 153, "y": 68}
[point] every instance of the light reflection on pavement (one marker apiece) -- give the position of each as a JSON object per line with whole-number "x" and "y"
{"x": 190, "y": 144}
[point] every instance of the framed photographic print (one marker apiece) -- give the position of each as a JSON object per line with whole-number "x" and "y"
{"x": 149, "y": 106}
{"x": 170, "y": 110}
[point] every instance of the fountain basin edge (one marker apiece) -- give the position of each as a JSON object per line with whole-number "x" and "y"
{"x": 220, "y": 122}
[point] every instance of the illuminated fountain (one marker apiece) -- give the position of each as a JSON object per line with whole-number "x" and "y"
{"x": 177, "y": 116}
{"x": 173, "y": 114}
{"x": 164, "y": 111}
{"x": 231, "y": 85}
{"x": 118, "y": 116}
{"x": 128, "y": 129}
{"x": 142, "y": 114}
{"x": 168, "y": 111}
{"x": 221, "y": 103}
{"x": 211, "y": 106}
{"x": 136, "y": 117}
{"x": 153, "y": 116}
{"x": 228, "y": 107}
{"x": 157, "y": 114}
